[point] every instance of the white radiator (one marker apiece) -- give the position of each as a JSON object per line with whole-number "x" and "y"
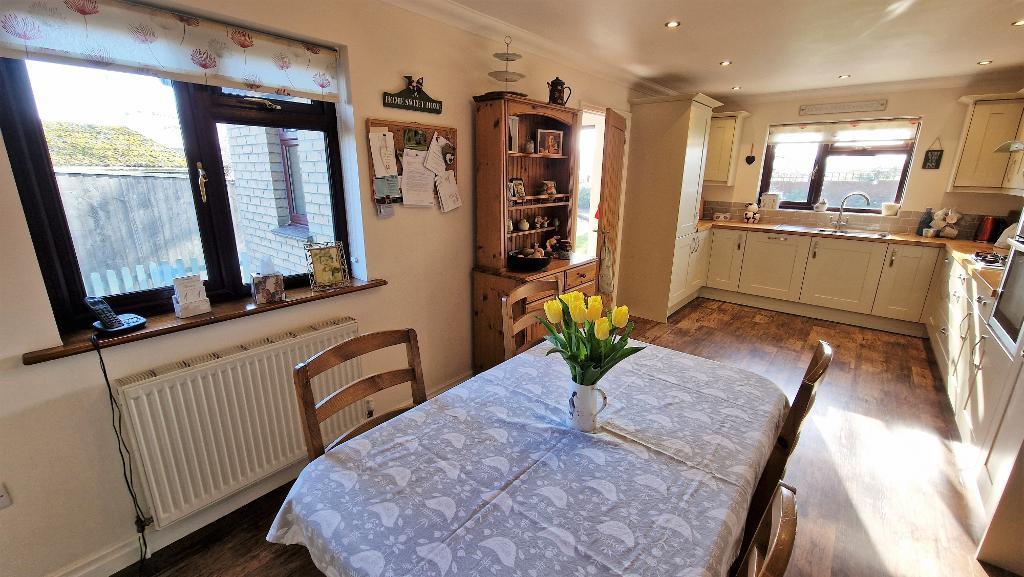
{"x": 207, "y": 427}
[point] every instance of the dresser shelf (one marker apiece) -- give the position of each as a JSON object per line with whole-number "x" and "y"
{"x": 531, "y": 231}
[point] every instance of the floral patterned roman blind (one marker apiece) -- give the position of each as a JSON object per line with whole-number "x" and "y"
{"x": 142, "y": 39}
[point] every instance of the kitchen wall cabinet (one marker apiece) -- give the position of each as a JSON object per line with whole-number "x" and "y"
{"x": 989, "y": 124}
{"x": 667, "y": 155}
{"x": 903, "y": 287}
{"x": 726, "y": 261}
{"x": 773, "y": 265}
{"x": 843, "y": 274}
{"x": 1015, "y": 167}
{"x": 697, "y": 271}
{"x": 724, "y": 147}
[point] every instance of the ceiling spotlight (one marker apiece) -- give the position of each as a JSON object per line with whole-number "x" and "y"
{"x": 737, "y": 87}
{"x": 984, "y": 62}
{"x": 725, "y": 63}
{"x": 843, "y": 76}
{"x": 1018, "y": 23}
{"x": 672, "y": 24}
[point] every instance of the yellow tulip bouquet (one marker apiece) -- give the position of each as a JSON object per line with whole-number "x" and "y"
{"x": 590, "y": 341}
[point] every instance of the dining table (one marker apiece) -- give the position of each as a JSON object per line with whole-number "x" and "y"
{"x": 489, "y": 477}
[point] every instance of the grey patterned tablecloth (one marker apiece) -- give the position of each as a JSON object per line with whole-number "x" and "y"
{"x": 487, "y": 479}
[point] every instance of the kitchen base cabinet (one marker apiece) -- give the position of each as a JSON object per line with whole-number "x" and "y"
{"x": 843, "y": 274}
{"x": 903, "y": 287}
{"x": 726, "y": 259}
{"x": 988, "y": 384}
{"x": 773, "y": 265}
{"x": 678, "y": 288}
{"x": 697, "y": 271}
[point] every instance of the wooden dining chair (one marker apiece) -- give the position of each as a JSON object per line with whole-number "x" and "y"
{"x": 775, "y": 468}
{"x": 314, "y": 413}
{"x": 514, "y": 302}
{"x": 772, "y": 546}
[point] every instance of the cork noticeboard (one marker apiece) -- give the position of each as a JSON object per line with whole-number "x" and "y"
{"x": 422, "y": 133}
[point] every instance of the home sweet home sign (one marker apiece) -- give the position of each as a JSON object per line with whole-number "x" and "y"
{"x": 412, "y": 98}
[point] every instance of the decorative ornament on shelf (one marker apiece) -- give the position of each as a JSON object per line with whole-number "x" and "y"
{"x": 752, "y": 214}
{"x": 556, "y": 92}
{"x": 507, "y": 75}
{"x": 591, "y": 341}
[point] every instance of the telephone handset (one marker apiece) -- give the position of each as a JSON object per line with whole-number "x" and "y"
{"x": 108, "y": 321}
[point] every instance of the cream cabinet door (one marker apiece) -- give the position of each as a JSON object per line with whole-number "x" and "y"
{"x": 693, "y": 169}
{"x": 773, "y": 265}
{"x": 680, "y": 265}
{"x": 992, "y": 123}
{"x": 843, "y": 274}
{"x": 721, "y": 140}
{"x": 999, "y": 456}
{"x": 906, "y": 276}
{"x": 1014, "y": 177}
{"x": 988, "y": 386}
{"x": 697, "y": 272}
{"x": 726, "y": 260}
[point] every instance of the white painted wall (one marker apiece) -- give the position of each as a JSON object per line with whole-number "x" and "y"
{"x": 935, "y": 101}
{"x": 57, "y": 453}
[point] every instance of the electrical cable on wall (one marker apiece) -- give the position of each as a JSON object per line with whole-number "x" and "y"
{"x": 117, "y": 423}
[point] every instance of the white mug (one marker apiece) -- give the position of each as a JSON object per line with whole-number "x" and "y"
{"x": 583, "y": 406}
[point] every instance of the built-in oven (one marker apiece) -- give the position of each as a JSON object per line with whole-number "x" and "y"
{"x": 1007, "y": 319}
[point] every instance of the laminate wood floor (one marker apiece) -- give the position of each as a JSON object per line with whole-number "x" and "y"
{"x": 878, "y": 488}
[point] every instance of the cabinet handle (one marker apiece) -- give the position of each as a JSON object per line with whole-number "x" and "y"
{"x": 981, "y": 358}
{"x": 739, "y": 244}
{"x": 814, "y": 249}
{"x": 892, "y": 258}
{"x": 963, "y": 336}
{"x": 771, "y": 237}
{"x": 981, "y": 301}
{"x": 944, "y": 330}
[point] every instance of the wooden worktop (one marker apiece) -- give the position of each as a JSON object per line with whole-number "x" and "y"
{"x": 960, "y": 250}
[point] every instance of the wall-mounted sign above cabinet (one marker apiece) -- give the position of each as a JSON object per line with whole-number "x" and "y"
{"x": 844, "y": 107}
{"x": 413, "y": 97}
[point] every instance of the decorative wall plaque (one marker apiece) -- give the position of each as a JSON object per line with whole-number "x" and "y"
{"x": 413, "y": 97}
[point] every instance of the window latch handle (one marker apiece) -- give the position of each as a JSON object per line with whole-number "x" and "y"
{"x": 266, "y": 103}
{"x": 202, "y": 181}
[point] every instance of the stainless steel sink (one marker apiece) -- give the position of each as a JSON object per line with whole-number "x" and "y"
{"x": 832, "y": 231}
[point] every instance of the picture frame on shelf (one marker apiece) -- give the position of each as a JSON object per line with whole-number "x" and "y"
{"x": 516, "y": 190}
{"x": 549, "y": 141}
{"x": 328, "y": 266}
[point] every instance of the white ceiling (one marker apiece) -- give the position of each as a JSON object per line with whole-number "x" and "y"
{"x": 775, "y": 45}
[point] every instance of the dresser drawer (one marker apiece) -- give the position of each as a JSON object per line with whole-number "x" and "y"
{"x": 580, "y": 275}
{"x": 588, "y": 289}
{"x": 544, "y": 296}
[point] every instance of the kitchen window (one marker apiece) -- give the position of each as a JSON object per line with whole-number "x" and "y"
{"x": 129, "y": 180}
{"x": 805, "y": 163}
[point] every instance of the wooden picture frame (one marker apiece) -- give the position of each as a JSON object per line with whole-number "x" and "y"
{"x": 328, "y": 266}
{"x": 550, "y": 142}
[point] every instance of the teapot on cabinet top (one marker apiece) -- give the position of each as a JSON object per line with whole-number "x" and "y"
{"x": 557, "y": 92}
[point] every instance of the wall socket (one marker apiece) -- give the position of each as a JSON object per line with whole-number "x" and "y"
{"x": 5, "y": 497}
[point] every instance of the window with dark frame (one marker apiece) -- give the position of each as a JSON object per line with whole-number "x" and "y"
{"x": 806, "y": 163}
{"x": 117, "y": 209}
